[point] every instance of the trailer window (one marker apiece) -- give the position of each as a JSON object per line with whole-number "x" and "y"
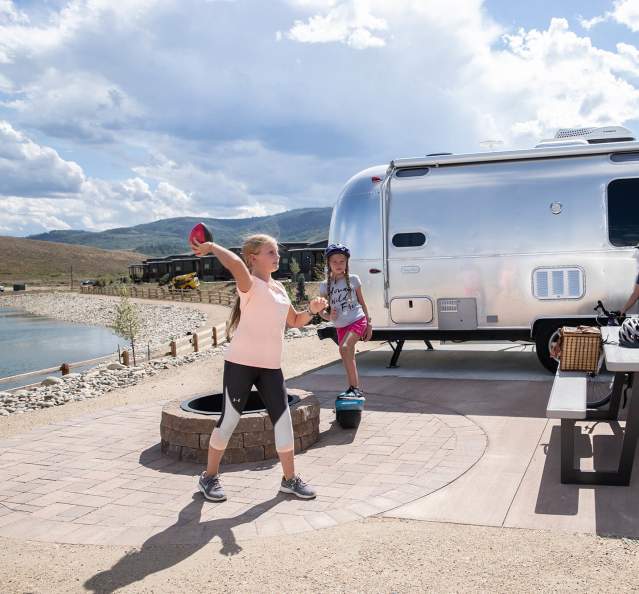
{"x": 409, "y": 239}
{"x": 623, "y": 212}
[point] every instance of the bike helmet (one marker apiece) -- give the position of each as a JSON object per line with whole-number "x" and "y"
{"x": 629, "y": 333}
{"x": 336, "y": 248}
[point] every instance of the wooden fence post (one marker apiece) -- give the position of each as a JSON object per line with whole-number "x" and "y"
{"x": 196, "y": 345}
{"x": 173, "y": 346}
{"x": 125, "y": 358}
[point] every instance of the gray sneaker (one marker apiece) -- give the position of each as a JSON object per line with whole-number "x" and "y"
{"x": 296, "y": 486}
{"x": 211, "y": 487}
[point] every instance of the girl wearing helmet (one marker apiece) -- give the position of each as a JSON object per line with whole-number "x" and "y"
{"x": 254, "y": 357}
{"x": 347, "y": 310}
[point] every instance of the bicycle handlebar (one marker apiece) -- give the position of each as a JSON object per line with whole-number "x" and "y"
{"x": 608, "y": 318}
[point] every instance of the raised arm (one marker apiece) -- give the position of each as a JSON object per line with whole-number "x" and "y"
{"x": 231, "y": 261}
{"x": 297, "y": 319}
{"x": 631, "y": 300}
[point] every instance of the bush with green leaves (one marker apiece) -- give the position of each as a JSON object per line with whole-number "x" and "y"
{"x": 295, "y": 268}
{"x": 319, "y": 272}
{"x": 127, "y": 321}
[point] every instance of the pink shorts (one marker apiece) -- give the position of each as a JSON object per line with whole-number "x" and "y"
{"x": 358, "y": 327}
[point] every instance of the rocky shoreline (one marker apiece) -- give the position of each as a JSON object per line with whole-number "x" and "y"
{"x": 74, "y": 387}
{"x": 159, "y": 323}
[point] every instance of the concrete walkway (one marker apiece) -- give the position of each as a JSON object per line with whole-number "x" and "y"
{"x": 471, "y": 445}
{"x": 516, "y": 483}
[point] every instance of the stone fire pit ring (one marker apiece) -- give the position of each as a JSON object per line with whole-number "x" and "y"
{"x": 185, "y": 434}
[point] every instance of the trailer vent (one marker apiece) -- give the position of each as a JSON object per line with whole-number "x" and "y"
{"x": 594, "y": 135}
{"x": 448, "y": 305}
{"x": 572, "y": 132}
{"x": 558, "y": 283}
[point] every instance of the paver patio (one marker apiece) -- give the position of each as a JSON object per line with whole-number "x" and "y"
{"x": 101, "y": 478}
{"x": 455, "y": 448}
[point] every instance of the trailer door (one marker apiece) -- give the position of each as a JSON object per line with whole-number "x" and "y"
{"x": 408, "y": 294}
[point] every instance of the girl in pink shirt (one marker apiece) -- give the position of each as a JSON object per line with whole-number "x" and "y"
{"x": 254, "y": 357}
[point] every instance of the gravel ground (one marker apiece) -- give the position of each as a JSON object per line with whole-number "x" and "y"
{"x": 375, "y": 555}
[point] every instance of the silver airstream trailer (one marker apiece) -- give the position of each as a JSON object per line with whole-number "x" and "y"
{"x": 498, "y": 245}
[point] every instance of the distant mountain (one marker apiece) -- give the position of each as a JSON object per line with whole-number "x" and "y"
{"x": 45, "y": 261}
{"x": 169, "y": 236}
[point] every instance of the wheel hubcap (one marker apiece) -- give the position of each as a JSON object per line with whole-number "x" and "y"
{"x": 552, "y": 343}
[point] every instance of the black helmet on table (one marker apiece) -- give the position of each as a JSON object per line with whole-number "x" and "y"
{"x": 629, "y": 333}
{"x": 336, "y": 248}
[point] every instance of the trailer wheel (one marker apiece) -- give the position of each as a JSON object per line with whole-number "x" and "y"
{"x": 545, "y": 338}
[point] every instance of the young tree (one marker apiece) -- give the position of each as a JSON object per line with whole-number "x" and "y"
{"x": 319, "y": 271}
{"x": 295, "y": 269}
{"x": 301, "y": 292}
{"x": 127, "y": 322}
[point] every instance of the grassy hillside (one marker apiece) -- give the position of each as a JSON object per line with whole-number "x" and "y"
{"x": 168, "y": 236}
{"x": 44, "y": 261}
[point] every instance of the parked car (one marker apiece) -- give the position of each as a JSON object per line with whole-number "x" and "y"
{"x": 1, "y": 289}
{"x": 88, "y": 283}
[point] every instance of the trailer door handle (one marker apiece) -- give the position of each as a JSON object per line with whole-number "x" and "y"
{"x": 374, "y": 270}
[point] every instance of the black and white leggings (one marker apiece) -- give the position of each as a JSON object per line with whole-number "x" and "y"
{"x": 238, "y": 381}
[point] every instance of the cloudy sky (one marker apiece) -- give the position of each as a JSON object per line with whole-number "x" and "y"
{"x": 119, "y": 113}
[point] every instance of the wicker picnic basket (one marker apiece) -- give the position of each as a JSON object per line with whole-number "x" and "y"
{"x": 580, "y": 348}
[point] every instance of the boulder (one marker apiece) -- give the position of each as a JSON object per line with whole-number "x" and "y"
{"x": 51, "y": 381}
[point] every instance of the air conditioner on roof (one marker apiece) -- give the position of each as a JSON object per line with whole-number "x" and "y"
{"x": 594, "y": 135}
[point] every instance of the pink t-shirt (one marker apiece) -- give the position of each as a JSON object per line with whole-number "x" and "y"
{"x": 259, "y": 336}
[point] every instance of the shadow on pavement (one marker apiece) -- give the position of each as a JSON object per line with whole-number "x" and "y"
{"x": 160, "y": 551}
{"x": 616, "y": 512}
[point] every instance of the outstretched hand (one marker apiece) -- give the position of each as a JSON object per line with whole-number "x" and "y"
{"x": 317, "y": 304}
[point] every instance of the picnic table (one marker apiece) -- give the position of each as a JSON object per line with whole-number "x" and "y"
{"x": 568, "y": 402}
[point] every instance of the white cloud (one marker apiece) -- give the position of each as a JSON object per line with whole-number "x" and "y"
{"x": 79, "y": 105}
{"x": 625, "y": 12}
{"x": 22, "y": 216}
{"x": 10, "y": 14}
{"x": 29, "y": 169}
{"x": 175, "y": 107}
{"x": 544, "y": 80}
{"x": 40, "y": 191}
{"x": 348, "y": 22}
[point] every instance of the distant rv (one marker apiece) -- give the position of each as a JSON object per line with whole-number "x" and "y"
{"x": 498, "y": 245}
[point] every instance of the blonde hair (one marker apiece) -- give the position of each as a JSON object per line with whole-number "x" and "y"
{"x": 251, "y": 246}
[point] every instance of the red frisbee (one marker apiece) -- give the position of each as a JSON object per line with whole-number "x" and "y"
{"x": 200, "y": 233}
